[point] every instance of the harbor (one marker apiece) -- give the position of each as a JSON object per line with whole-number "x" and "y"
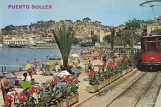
{"x": 9, "y": 56}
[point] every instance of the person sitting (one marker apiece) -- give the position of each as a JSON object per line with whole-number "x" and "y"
{"x": 29, "y": 78}
{"x": 89, "y": 67}
{"x": 30, "y": 74}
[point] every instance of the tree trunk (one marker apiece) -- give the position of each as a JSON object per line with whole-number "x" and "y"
{"x": 65, "y": 63}
{"x": 132, "y": 46}
{"x": 124, "y": 50}
{"x": 112, "y": 45}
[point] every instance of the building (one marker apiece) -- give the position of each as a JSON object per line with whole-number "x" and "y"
{"x": 1, "y": 36}
{"x": 14, "y": 40}
{"x": 103, "y": 34}
{"x": 152, "y": 27}
{"x": 86, "y": 39}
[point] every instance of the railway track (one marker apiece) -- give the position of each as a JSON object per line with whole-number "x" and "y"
{"x": 109, "y": 93}
{"x": 149, "y": 97}
{"x": 140, "y": 93}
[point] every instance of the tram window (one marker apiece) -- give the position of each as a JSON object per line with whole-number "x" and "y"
{"x": 159, "y": 38}
{"x": 151, "y": 46}
{"x": 159, "y": 46}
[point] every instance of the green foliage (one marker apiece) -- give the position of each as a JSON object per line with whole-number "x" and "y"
{"x": 93, "y": 80}
{"x": 107, "y": 39}
{"x": 86, "y": 19}
{"x": 64, "y": 38}
{"x": 79, "y": 67}
{"x": 76, "y": 40}
{"x": 133, "y": 24}
{"x": 100, "y": 76}
{"x": 156, "y": 32}
{"x": 95, "y": 38}
{"x": 60, "y": 93}
{"x": 110, "y": 39}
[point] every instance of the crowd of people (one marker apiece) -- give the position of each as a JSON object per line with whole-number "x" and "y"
{"x": 8, "y": 84}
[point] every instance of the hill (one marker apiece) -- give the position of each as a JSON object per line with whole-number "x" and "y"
{"x": 42, "y": 29}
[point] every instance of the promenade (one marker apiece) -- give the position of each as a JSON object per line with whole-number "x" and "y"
{"x": 158, "y": 101}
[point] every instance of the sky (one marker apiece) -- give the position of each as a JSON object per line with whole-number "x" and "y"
{"x": 109, "y": 12}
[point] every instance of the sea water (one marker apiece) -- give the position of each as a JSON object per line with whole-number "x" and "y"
{"x": 14, "y": 58}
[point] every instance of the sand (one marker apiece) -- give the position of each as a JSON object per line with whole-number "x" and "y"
{"x": 38, "y": 78}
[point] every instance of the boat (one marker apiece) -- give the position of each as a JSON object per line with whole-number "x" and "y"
{"x": 1, "y": 45}
{"x": 53, "y": 56}
{"x": 16, "y": 46}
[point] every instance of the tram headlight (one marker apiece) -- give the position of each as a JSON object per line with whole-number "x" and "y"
{"x": 151, "y": 60}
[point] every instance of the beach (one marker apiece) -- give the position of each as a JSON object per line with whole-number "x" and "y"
{"x": 83, "y": 94}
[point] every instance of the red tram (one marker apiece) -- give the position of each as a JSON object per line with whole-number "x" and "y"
{"x": 151, "y": 53}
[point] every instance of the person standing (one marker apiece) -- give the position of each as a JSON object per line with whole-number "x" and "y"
{"x": 4, "y": 87}
{"x": 35, "y": 65}
{"x": 17, "y": 59}
{"x": 104, "y": 59}
{"x": 38, "y": 67}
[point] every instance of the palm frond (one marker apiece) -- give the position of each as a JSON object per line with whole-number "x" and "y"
{"x": 64, "y": 36}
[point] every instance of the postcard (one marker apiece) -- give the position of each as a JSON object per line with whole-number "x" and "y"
{"x": 80, "y": 53}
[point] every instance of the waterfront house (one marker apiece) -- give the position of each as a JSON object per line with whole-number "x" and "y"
{"x": 14, "y": 40}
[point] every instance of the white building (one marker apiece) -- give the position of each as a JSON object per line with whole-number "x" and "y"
{"x": 15, "y": 41}
{"x": 103, "y": 34}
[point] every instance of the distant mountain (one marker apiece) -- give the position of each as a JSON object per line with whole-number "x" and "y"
{"x": 43, "y": 28}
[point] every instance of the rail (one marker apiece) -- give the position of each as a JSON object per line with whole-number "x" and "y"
{"x": 125, "y": 90}
{"x": 146, "y": 90}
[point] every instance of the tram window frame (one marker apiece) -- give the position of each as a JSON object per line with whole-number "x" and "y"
{"x": 159, "y": 42}
{"x": 159, "y": 46}
{"x": 150, "y": 39}
{"x": 154, "y": 47}
{"x": 143, "y": 47}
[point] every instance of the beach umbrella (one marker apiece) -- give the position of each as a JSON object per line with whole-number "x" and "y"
{"x": 47, "y": 63}
{"x": 63, "y": 73}
{"x": 75, "y": 55}
{"x": 9, "y": 76}
{"x": 28, "y": 66}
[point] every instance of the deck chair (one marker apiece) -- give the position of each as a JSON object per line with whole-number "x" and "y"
{"x": 47, "y": 72}
{"x": 76, "y": 71}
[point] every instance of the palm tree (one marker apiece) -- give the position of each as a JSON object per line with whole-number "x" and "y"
{"x": 64, "y": 38}
{"x": 134, "y": 37}
{"x": 124, "y": 39}
{"x": 110, "y": 40}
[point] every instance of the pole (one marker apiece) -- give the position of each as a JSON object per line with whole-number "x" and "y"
{"x": 2, "y": 68}
{"x": 5, "y": 69}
